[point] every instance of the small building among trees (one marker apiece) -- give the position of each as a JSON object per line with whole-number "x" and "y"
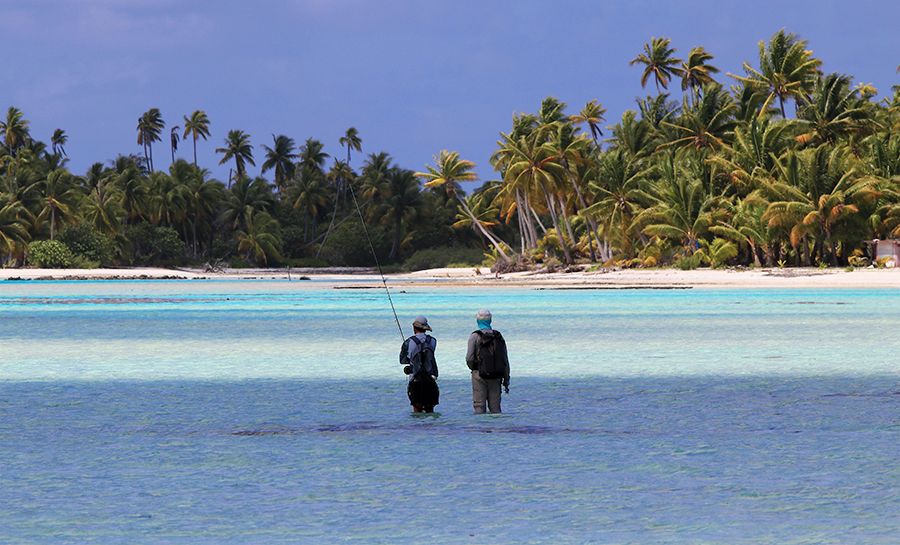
{"x": 886, "y": 250}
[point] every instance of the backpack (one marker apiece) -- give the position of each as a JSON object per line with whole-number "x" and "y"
{"x": 423, "y": 361}
{"x": 487, "y": 354}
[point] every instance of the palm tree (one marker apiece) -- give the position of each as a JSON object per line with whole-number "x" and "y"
{"x": 245, "y": 198}
{"x": 696, "y": 73}
{"x": 658, "y": 62}
{"x": 786, "y": 69}
{"x": 102, "y": 208}
{"x": 58, "y": 141}
{"x": 202, "y": 198}
{"x": 310, "y": 195}
{"x": 312, "y": 155}
{"x": 237, "y": 147}
{"x": 58, "y": 196}
{"x": 15, "y": 130}
{"x": 448, "y": 171}
{"x": 198, "y": 127}
{"x": 149, "y": 127}
{"x": 618, "y": 188}
{"x": 173, "y": 141}
{"x": 817, "y": 193}
{"x": 401, "y": 204}
{"x": 351, "y": 140}
{"x": 833, "y": 111}
{"x": 258, "y": 239}
{"x": 592, "y": 115}
{"x": 13, "y": 227}
{"x": 537, "y": 169}
{"x": 709, "y": 124}
{"x": 680, "y": 208}
{"x": 281, "y": 158}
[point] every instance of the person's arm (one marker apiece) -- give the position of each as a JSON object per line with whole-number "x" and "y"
{"x": 434, "y": 351}
{"x": 471, "y": 357}
{"x": 404, "y": 353}
{"x": 505, "y": 355}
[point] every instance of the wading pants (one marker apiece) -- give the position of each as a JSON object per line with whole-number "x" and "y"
{"x": 485, "y": 390}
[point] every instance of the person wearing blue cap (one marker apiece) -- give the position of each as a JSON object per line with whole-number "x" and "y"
{"x": 417, "y": 358}
{"x": 488, "y": 360}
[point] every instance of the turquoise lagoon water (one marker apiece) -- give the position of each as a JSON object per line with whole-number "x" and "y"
{"x": 219, "y": 412}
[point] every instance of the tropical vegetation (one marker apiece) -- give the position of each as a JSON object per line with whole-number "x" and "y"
{"x": 780, "y": 164}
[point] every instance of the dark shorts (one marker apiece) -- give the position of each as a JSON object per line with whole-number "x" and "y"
{"x": 423, "y": 391}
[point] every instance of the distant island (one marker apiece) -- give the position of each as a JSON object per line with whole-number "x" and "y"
{"x": 777, "y": 164}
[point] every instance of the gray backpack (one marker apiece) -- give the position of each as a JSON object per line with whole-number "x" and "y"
{"x": 423, "y": 361}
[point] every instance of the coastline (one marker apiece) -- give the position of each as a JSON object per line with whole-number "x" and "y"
{"x": 472, "y": 277}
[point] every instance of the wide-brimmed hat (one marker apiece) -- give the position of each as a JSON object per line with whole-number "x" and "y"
{"x": 421, "y": 322}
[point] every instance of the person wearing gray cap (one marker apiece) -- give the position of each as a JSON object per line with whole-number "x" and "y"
{"x": 488, "y": 360}
{"x": 417, "y": 359}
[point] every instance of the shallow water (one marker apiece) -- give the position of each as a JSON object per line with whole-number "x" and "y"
{"x": 275, "y": 412}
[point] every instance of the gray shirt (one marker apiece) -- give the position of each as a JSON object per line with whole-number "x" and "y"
{"x": 472, "y": 357}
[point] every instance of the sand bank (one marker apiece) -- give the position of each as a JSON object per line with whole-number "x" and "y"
{"x": 462, "y": 277}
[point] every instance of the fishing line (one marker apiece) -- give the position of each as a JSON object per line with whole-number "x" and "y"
{"x": 377, "y": 264}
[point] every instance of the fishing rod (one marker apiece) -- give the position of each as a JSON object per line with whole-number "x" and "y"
{"x": 377, "y": 264}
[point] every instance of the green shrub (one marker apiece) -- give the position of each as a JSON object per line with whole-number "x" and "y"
{"x": 444, "y": 256}
{"x": 689, "y": 262}
{"x": 152, "y": 244}
{"x": 88, "y": 245}
{"x": 50, "y": 254}
{"x": 347, "y": 246}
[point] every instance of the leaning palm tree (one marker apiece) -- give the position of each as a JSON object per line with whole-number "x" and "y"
{"x": 58, "y": 142}
{"x": 280, "y": 157}
{"x": 592, "y": 116}
{"x": 786, "y": 69}
{"x": 695, "y": 72}
{"x": 658, "y": 62}
{"x": 149, "y": 127}
{"x": 198, "y": 127}
{"x": 447, "y": 172}
{"x": 14, "y": 129}
{"x": 237, "y": 147}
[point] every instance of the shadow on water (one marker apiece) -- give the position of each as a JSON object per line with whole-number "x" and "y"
{"x": 441, "y": 429}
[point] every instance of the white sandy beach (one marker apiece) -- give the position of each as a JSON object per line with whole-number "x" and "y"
{"x": 457, "y": 277}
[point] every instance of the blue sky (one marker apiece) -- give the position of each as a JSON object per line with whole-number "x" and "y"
{"x": 414, "y": 76}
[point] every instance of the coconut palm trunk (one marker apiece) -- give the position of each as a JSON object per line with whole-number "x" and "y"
{"x": 559, "y": 234}
{"x": 498, "y": 244}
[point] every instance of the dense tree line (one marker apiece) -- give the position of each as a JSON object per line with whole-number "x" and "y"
{"x": 129, "y": 212}
{"x": 781, "y": 164}
{"x": 723, "y": 176}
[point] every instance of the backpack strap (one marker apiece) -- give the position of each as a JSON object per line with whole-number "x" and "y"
{"x": 417, "y": 341}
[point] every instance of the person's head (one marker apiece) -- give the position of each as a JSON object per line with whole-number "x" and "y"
{"x": 420, "y": 324}
{"x": 483, "y": 317}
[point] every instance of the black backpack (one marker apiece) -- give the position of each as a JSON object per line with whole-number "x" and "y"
{"x": 423, "y": 361}
{"x": 487, "y": 354}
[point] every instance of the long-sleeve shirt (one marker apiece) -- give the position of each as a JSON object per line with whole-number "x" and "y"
{"x": 472, "y": 353}
{"x": 410, "y": 349}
